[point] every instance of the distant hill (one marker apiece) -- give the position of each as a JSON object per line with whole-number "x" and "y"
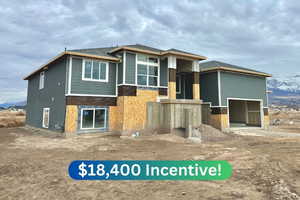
{"x": 19, "y": 104}
{"x": 285, "y": 90}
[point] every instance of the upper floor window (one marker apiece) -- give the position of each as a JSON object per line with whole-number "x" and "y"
{"x": 147, "y": 70}
{"x": 42, "y": 80}
{"x": 94, "y": 70}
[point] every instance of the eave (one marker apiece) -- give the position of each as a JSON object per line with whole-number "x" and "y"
{"x": 236, "y": 70}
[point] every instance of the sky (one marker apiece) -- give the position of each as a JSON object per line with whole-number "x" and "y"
{"x": 262, "y": 35}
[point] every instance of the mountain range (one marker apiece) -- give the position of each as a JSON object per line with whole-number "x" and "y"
{"x": 19, "y": 104}
{"x": 284, "y": 90}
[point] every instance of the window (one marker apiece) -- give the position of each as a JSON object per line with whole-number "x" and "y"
{"x": 94, "y": 71}
{"x": 93, "y": 118}
{"x": 46, "y": 113}
{"x": 147, "y": 70}
{"x": 178, "y": 84}
{"x": 42, "y": 80}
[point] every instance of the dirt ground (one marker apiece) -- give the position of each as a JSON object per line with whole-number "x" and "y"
{"x": 11, "y": 118}
{"x": 36, "y": 167}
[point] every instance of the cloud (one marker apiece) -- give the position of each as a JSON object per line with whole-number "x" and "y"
{"x": 262, "y": 35}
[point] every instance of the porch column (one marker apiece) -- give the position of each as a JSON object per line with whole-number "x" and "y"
{"x": 172, "y": 77}
{"x": 196, "y": 85}
{"x": 196, "y": 80}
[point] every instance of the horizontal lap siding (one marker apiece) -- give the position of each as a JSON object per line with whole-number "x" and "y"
{"x": 78, "y": 86}
{"x": 51, "y": 96}
{"x": 130, "y": 68}
{"x": 163, "y": 72}
{"x": 234, "y": 85}
{"x": 209, "y": 88}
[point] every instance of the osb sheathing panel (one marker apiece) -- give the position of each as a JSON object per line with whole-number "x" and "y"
{"x": 132, "y": 110}
{"x": 71, "y": 119}
{"x": 113, "y": 117}
{"x": 266, "y": 121}
{"x": 172, "y": 90}
{"x": 219, "y": 121}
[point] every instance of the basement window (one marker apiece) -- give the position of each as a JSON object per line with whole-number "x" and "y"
{"x": 93, "y": 118}
{"x": 42, "y": 80}
{"x": 46, "y": 114}
{"x": 147, "y": 70}
{"x": 93, "y": 70}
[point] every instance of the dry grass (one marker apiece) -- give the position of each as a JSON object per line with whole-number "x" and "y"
{"x": 10, "y": 119}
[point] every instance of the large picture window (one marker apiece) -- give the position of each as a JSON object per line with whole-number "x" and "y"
{"x": 93, "y": 118}
{"x": 93, "y": 70}
{"x": 147, "y": 70}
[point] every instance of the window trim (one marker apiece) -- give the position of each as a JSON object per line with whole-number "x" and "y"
{"x": 94, "y": 111}
{"x": 147, "y": 65}
{"x": 179, "y": 80}
{"x": 42, "y": 80}
{"x": 43, "y": 122}
{"x": 91, "y": 79}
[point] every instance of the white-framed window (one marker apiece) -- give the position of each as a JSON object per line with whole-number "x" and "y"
{"x": 147, "y": 70}
{"x": 42, "y": 80}
{"x": 93, "y": 118}
{"x": 46, "y": 115}
{"x": 178, "y": 84}
{"x": 94, "y": 70}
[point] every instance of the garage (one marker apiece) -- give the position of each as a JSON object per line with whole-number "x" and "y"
{"x": 244, "y": 113}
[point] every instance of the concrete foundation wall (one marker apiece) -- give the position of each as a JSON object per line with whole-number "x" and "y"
{"x": 169, "y": 114}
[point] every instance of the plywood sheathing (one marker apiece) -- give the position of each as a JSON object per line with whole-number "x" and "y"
{"x": 71, "y": 119}
{"x": 131, "y": 110}
{"x": 172, "y": 84}
{"x": 219, "y": 121}
{"x": 196, "y": 88}
{"x": 113, "y": 118}
{"x": 266, "y": 121}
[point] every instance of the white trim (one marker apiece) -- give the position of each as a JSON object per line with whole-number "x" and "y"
{"x": 172, "y": 62}
{"x": 70, "y": 74}
{"x": 94, "y": 113}
{"x": 124, "y": 66}
{"x": 246, "y": 112}
{"x": 43, "y": 122}
{"x": 245, "y": 99}
{"x": 219, "y": 89}
{"x": 42, "y": 80}
{"x": 267, "y": 96}
{"x": 117, "y": 78}
{"x": 91, "y": 95}
{"x": 106, "y": 80}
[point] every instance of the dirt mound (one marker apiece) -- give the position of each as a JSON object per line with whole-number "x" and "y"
{"x": 9, "y": 119}
{"x": 209, "y": 133}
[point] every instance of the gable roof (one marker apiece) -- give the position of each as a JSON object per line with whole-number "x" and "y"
{"x": 107, "y": 53}
{"x": 217, "y": 65}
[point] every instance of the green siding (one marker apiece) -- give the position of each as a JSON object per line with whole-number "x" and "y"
{"x": 209, "y": 88}
{"x": 163, "y": 72}
{"x": 120, "y": 73}
{"x": 234, "y": 85}
{"x": 130, "y": 68}
{"x": 51, "y": 96}
{"x": 78, "y": 86}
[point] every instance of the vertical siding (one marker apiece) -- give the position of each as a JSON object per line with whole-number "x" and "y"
{"x": 120, "y": 73}
{"x": 78, "y": 86}
{"x": 209, "y": 88}
{"x": 163, "y": 72}
{"x": 130, "y": 68}
{"x": 52, "y": 96}
{"x": 236, "y": 85}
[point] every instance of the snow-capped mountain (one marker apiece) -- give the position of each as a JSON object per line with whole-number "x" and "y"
{"x": 288, "y": 84}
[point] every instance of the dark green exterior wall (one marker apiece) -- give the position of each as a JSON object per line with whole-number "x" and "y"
{"x": 235, "y": 85}
{"x": 78, "y": 86}
{"x": 51, "y": 96}
{"x": 163, "y": 72}
{"x": 120, "y": 73}
{"x": 130, "y": 68}
{"x": 209, "y": 88}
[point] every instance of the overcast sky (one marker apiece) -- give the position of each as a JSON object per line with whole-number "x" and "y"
{"x": 263, "y": 35}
